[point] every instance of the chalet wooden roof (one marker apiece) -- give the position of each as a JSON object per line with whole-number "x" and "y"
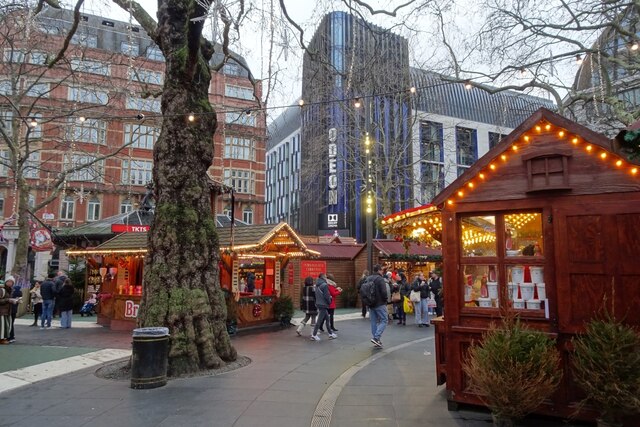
{"x": 337, "y": 250}
{"x": 278, "y": 240}
{"x": 543, "y": 129}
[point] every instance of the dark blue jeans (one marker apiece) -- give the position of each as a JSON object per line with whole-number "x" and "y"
{"x": 47, "y": 312}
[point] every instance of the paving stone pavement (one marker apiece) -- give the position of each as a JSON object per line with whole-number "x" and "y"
{"x": 291, "y": 382}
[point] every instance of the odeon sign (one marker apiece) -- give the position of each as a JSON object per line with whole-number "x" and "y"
{"x": 332, "y": 198}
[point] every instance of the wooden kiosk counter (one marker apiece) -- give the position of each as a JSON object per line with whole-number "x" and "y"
{"x": 550, "y": 219}
{"x": 252, "y": 259}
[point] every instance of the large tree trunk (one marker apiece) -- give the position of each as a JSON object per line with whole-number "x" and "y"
{"x": 181, "y": 277}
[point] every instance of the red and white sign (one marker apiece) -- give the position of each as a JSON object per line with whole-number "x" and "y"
{"x": 126, "y": 228}
{"x": 312, "y": 268}
{"x": 131, "y": 309}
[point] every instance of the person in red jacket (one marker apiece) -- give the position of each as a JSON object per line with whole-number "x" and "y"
{"x": 334, "y": 291}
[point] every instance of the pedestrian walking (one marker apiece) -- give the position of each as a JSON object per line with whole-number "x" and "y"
{"x": 307, "y": 304}
{"x": 47, "y": 290}
{"x": 5, "y": 314}
{"x": 15, "y": 300}
{"x": 36, "y": 302}
{"x": 378, "y": 310}
{"x": 323, "y": 300}
{"x": 363, "y": 279}
{"x": 334, "y": 291}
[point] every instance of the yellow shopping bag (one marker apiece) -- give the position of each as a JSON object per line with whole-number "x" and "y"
{"x": 407, "y": 305}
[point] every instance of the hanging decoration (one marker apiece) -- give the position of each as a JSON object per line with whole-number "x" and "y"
{"x": 257, "y": 310}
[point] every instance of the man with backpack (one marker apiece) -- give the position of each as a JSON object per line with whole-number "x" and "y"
{"x": 373, "y": 293}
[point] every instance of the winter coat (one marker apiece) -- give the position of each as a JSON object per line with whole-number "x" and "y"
{"x": 323, "y": 297}
{"x": 435, "y": 286}
{"x": 47, "y": 289}
{"x": 5, "y": 306}
{"x": 405, "y": 288}
{"x": 308, "y": 300}
{"x": 422, "y": 286}
{"x": 58, "y": 284}
{"x": 381, "y": 290}
{"x": 15, "y": 293}
{"x": 64, "y": 300}
{"x": 334, "y": 292}
{"x": 36, "y": 296}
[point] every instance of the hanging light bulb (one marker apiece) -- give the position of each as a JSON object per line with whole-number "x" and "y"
{"x": 81, "y": 119}
{"x": 468, "y": 85}
{"x": 357, "y": 103}
{"x": 523, "y": 72}
{"x": 301, "y": 102}
{"x": 634, "y": 45}
{"x": 247, "y": 112}
{"x": 412, "y": 89}
{"x": 191, "y": 117}
{"x": 579, "y": 59}
{"x": 140, "y": 116}
{"x": 33, "y": 122}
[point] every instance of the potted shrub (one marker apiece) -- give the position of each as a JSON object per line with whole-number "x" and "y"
{"x": 283, "y": 310}
{"x": 606, "y": 366}
{"x": 513, "y": 370}
{"x": 232, "y": 313}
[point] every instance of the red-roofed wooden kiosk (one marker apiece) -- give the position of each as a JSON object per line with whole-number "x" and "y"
{"x": 548, "y": 224}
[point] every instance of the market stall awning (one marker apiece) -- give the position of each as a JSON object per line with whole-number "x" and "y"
{"x": 422, "y": 223}
{"x": 394, "y": 249}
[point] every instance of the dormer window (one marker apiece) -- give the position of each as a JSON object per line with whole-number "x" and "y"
{"x": 548, "y": 170}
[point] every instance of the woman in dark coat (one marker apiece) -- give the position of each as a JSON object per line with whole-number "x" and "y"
{"x": 64, "y": 301}
{"x": 308, "y": 304}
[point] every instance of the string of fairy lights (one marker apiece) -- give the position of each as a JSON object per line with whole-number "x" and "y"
{"x": 528, "y": 138}
{"x": 191, "y": 117}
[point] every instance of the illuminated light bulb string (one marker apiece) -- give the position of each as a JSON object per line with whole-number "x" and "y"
{"x": 528, "y": 138}
{"x": 191, "y": 117}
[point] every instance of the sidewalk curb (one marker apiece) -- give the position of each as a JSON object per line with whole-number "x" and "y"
{"x": 32, "y": 374}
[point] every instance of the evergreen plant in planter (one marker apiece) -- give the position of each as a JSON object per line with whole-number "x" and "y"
{"x": 513, "y": 370}
{"x": 606, "y": 366}
{"x": 283, "y": 310}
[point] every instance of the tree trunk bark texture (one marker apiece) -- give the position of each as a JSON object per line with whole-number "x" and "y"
{"x": 182, "y": 289}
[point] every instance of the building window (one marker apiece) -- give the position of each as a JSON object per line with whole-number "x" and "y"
{"x": 238, "y": 92}
{"x": 137, "y": 172}
{"x": 495, "y": 138}
{"x": 239, "y": 148}
{"x": 32, "y": 166}
{"x": 147, "y": 76}
{"x": 232, "y": 69}
{"x": 38, "y": 90}
{"x": 226, "y": 211}
{"x": 140, "y": 136}
{"x": 240, "y": 119}
{"x": 431, "y": 141}
{"x": 92, "y": 172}
{"x": 90, "y": 96}
{"x": 143, "y": 104}
{"x": 4, "y": 163}
{"x": 67, "y": 206}
{"x": 13, "y": 55}
{"x": 93, "y": 67}
{"x": 431, "y": 180}
{"x": 90, "y": 130}
{"x": 86, "y": 40}
{"x": 6, "y": 88}
{"x": 155, "y": 54}
{"x": 129, "y": 49}
{"x": 1, "y": 205}
{"x": 38, "y": 58}
{"x": 6, "y": 119}
{"x": 93, "y": 209}
{"x": 467, "y": 146}
{"x": 242, "y": 181}
{"x": 126, "y": 206}
{"x": 31, "y": 201}
{"x": 247, "y": 216}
